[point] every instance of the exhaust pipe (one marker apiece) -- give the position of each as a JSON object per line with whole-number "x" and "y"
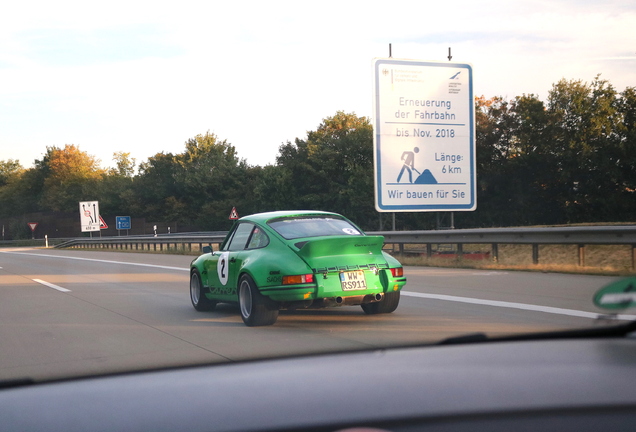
{"x": 351, "y": 300}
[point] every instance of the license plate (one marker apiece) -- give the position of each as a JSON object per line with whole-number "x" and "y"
{"x": 353, "y": 280}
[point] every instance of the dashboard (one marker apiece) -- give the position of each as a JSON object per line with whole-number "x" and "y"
{"x": 558, "y": 384}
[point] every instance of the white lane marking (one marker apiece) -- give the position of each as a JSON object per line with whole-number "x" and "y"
{"x": 523, "y": 306}
{"x": 101, "y": 261}
{"x": 50, "y": 285}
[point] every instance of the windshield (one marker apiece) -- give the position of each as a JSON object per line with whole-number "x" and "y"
{"x": 282, "y": 183}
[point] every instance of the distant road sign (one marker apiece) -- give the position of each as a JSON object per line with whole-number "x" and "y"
{"x": 123, "y": 222}
{"x": 89, "y": 215}
{"x": 424, "y": 136}
{"x": 32, "y": 225}
{"x": 234, "y": 214}
{"x": 102, "y": 223}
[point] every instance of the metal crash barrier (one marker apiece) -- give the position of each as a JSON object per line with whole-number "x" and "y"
{"x": 426, "y": 240}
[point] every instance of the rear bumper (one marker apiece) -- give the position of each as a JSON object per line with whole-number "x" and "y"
{"x": 327, "y": 290}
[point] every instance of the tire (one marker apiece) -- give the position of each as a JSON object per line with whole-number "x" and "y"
{"x": 256, "y": 309}
{"x": 197, "y": 297}
{"x": 387, "y": 305}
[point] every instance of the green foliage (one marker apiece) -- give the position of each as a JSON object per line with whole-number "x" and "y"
{"x": 197, "y": 187}
{"x": 335, "y": 164}
{"x": 69, "y": 176}
{"x": 569, "y": 161}
{"x": 125, "y": 165}
{"x": 12, "y": 180}
{"x": 22, "y": 193}
{"x": 9, "y": 170}
{"x": 586, "y": 135}
{"x": 514, "y": 163}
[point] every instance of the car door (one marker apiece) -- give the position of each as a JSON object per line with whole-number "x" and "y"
{"x": 223, "y": 273}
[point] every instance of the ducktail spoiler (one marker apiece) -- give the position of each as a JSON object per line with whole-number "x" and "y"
{"x": 339, "y": 251}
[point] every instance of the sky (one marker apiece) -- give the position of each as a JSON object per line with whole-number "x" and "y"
{"x": 144, "y": 77}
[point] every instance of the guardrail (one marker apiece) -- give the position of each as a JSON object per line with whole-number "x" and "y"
{"x": 187, "y": 241}
{"x": 580, "y": 236}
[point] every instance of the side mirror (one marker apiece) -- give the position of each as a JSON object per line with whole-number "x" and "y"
{"x": 207, "y": 249}
{"x": 617, "y": 295}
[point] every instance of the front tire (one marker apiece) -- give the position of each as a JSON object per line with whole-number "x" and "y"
{"x": 388, "y": 304}
{"x": 197, "y": 296}
{"x": 256, "y": 309}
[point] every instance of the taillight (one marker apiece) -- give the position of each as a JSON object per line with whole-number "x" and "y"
{"x": 397, "y": 272}
{"x": 298, "y": 279}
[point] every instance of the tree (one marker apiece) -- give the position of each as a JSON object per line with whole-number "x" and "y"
{"x": 70, "y": 175}
{"x": 12, "y": 177}
{"x": 514, "y": 163}
{"x": 213, "y": 177}
{"x": 198, "y": 186}
{"x": 626, "y": 196}
{"x": 155, "y": 183}
{"x": 125, "y": 165}
{"x": 9, "y": 171}
{"x": 115, "y": 190}
{"x": 332, "y": 169}
{"x": 586, "y": 146}
{"x": 494, "y": 120}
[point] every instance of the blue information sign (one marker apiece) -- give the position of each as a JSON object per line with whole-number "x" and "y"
{"x": 122, "y": 222}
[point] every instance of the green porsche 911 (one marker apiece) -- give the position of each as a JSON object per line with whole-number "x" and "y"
{"x": 296, "y": 259}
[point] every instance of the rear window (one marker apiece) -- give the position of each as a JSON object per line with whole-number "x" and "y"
{"x": 312, "y": 226}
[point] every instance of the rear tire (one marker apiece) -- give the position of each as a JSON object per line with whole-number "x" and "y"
{"x": 197, "y": 295}
{"x": 387, "y": 305}
{"x": 256, "y": 309}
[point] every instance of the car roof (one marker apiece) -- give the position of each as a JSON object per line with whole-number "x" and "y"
{"x": 264, "y": 217}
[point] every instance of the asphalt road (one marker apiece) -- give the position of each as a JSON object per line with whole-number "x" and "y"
{"x": 69, "y": 313}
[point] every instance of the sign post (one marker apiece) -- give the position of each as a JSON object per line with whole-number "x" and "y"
{"x": 424, "y": 136}
{"x": 89, "y": 216}
{"x": 32, "y": 225}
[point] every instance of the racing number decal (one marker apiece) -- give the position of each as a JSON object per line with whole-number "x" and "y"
{"x": 222, "y": 267}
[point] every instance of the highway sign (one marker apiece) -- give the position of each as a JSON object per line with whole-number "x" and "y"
{"x": 89, "y": 215}
{"x": 123, "y": 222}
{"x": 424, "y": 136}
